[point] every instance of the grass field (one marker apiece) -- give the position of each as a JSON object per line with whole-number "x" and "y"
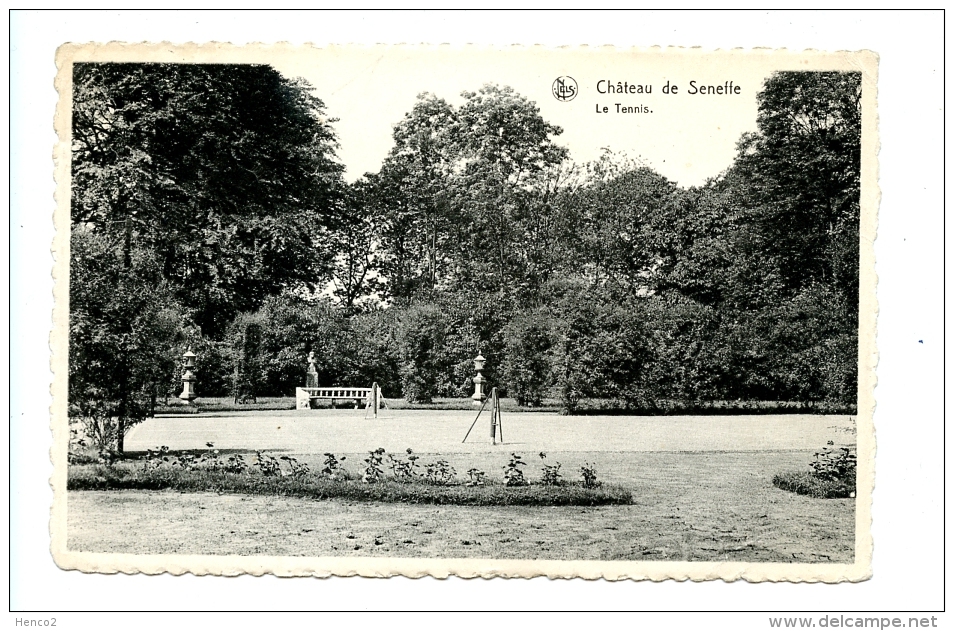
{"x": 441, "y": 431}
{"x": 690, "y": 506}
{"x": 216, "y": 405}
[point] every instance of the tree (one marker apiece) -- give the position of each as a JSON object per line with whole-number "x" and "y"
{"x": 622, "y": 227}
{"x": 711, "y": 250}
{"x": 246, "y": 384}
{"x": 460, "y": 190}
{"x": 356, "y": 243}
{"x": 803, "y": 169}
{"x": 226, "y": 172}
{"x": 526, "y": 369}
{"x": 126, "y": 335}
{"x": 502, "y": 146}
{"x": 413, "y": 200}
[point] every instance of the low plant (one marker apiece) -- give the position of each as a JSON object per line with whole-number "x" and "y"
{"x": 332, "y": 467}
{"x": 155, "y": 458}
{"x": 807, "y": 483}
{"x": 207, "y": 461}
{"x": 82, "y": 457}
{"x": 551, "y": 472}
{"x": 126, "y": 476}
{"x": 109, "y": 457}
{"x": 405, "y": 470}
{"x": 439, "y": 473}
{"x": 79, "y": 448}
{"x": 833, "y": 475}
{"x": 835, "y": 464}
{"x": 296, "y": 469}
{"x": 374, "y": 469}
{"x": 267, "y": 465}
{"x": 588, "y": 473}
{"x": 513, "y": 474}
{"x": 477, "y": 477}
{"x": 233, "y": 464}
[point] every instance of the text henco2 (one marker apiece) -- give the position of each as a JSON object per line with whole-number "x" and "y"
{"x": 606, "y": 86}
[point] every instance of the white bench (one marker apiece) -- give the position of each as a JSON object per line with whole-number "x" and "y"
{"x": 305, "y": 397}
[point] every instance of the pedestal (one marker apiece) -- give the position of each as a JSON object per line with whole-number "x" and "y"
{"x": 302, "y": 399}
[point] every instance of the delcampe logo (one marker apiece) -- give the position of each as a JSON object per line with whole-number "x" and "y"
{"x": 565, "y": 89}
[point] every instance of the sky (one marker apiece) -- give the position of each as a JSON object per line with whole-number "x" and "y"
{"x": 687, "y": 138}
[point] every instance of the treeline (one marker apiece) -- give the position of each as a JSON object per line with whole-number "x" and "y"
{"x": 208, "y": 203}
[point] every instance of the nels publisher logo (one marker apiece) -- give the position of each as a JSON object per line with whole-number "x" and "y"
{"x": 565, "y": 89}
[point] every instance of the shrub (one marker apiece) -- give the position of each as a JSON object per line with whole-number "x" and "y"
{"x": 807, "y": 483}
{"x": 248, "y": 377}
{"x": 439, "y": 473}
{"x": 833, "y": 475}
{"x": 513, "y": 474}
{"x": 370, "y": 349}
{"x": 588, "y": 473}
{"x": 551, "y": 472}
{"x": 404, "y": 470}
{"x": 420, "y": 335}
{"x": 526, "y": 368}
{"x": 374, "y": 471}
{"x": 601, "y": 349}
{"x": 835, "y": 464}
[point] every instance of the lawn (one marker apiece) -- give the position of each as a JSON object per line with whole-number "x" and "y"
{"x": 441, "y": 431}
{"x": 216, "y": 405}
{"x": 687, "y": 506}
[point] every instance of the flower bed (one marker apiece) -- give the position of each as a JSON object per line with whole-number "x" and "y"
{"x": 320, "y": 487}
{"x": 833, "y": 475}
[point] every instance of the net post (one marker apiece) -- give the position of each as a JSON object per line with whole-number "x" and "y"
{"x": 500, "y": 421}
{"x": 493, "y": 416}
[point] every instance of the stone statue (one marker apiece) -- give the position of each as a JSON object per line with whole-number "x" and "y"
{"x": 311, "y": 377}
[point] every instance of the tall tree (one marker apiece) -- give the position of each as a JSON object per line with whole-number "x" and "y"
{"x": 356, "y": 239}
{"x": 226, "y": 172}
{"x": 126, "y": 335}
{"x": 502, "y": 146}
{"x": 414, "y": 182}
{"x": 803, "y": 170}
{"x": 464, "y": 185}
{"x": 623, "y": 229}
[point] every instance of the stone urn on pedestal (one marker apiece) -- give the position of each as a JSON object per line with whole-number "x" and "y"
{"x": 479, "y": 380}
{"x": 188, "y": 378}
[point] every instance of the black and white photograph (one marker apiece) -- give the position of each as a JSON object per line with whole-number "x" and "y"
{"x": 617, "y": 320}
{"x": 317, "y": 312}
{"x": 596, "y": 313}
